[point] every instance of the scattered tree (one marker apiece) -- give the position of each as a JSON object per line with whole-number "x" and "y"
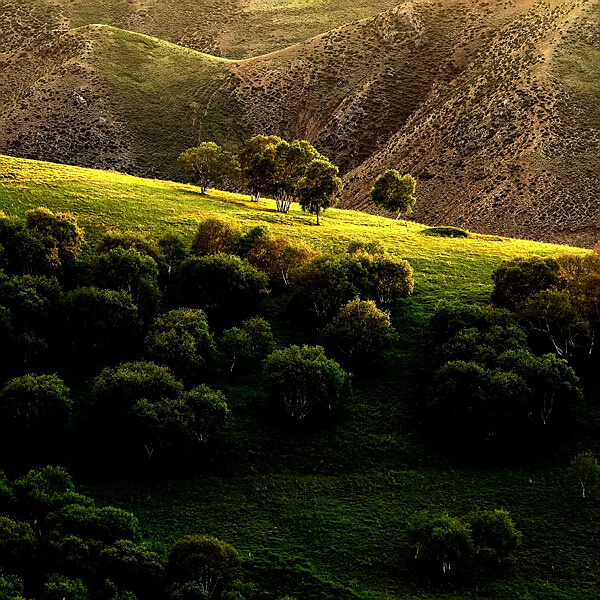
{"x": 390, "y": 279}
{"x": 24, "y": 252}
{"x": 281, "y": 168}
{"x": 494, "y": 534}
{"x": 209, "y": 408}
{"x": 248, "y": 345}
{"x": 394, "y": 192}
{"x": 278, "y": 257}
{"x": 373, "y": 248}
{"x": 450, "y": 317}
{"x": 255, "y": 172}
{"x": 585, "y": 468}
{"x": 209, "y": 165}
{"x": 440, "y": 542}
{"x": 303, "y": 380}
{"x": 17, "y": 543}
{"x": 475, "y": 404}
{"x": 59, "y": 587}
{"x": 319, "y": 188}
{"x": 131, "y": 240}
{"x": 553, "y": 382}
{"x": 117, "y": 389}
{"x": 106, "y": 524}
{"x": 215, "y": 236}
{"x": 205, "y": 560}
{"x": 553, "y": 317}
{"x": 132, "y": 567}
{"x": 323, "y": 286}
{"x": 174, "y": 251}
{"x": 360, "y": 333}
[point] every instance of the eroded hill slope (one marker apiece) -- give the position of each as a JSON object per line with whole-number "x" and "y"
{"x": 512, "y": 145}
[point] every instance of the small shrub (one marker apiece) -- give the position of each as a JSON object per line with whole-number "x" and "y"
{"x": 451, "y": 232}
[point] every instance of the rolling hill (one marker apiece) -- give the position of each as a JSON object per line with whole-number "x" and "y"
{"x": 336, "y": 500}
{"x": 492, "y": 105}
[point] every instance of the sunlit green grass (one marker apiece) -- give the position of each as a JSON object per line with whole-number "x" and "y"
{"x": 103, "y": 200}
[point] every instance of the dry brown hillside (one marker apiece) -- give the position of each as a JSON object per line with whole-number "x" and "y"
{"x": 512, "y": 145}
{"x": 495, "y": 105}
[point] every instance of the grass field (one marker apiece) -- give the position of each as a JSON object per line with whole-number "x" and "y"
{"x": 339, "y": 497}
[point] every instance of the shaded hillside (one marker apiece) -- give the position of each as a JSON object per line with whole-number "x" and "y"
{"x": 99, "y": 96}
{"x": 511, "y": 146}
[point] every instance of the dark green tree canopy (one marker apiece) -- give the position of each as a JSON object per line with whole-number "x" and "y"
{"x": 116, "y": 389}
{"x": 36, "y": 407}
{"x": 225, "y": 286}
{"x": 132, "y": 272}
{"x": 100, "y": 323}
{"x": 131, "y": 239}
{"x": 41, "y": 243}
{"x": 304, "y": 381}
{"x": 515, "y": 280}
{"x": 181, "y": 340}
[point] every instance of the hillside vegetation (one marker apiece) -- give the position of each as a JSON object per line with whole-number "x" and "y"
{"x": 105, "y": 201}
{"x": 332, "y": 503}
{"x": 493, "y": 105}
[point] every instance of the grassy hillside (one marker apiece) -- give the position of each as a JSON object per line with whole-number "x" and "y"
{"x": 339, "y": 496}
{"x": 105, "y": 200}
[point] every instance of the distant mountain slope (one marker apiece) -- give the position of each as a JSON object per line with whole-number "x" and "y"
{"x": 104, "y": 97}
{"x": 350, "y": 90}
{"x": 100, "y": 96}
{"x": 228, "y": 28}
{"x": 512, "y": 145}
